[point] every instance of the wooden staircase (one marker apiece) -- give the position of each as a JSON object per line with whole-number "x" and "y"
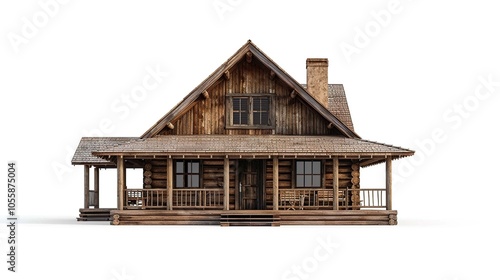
{"x": 235, "y": 219}
{"x": 95, "y": 214}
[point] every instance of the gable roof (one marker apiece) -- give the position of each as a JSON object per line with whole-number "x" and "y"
{"x": 280, "y": 73}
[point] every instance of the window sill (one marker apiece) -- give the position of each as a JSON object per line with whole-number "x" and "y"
{"x": 249, "y": 127}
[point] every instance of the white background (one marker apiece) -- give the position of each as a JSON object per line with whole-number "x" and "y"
{"x": 413, "y": 74}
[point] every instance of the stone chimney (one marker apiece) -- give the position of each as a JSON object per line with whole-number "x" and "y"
{"x": 317, "y": 79}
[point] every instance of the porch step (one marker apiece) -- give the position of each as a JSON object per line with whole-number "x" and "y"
{"x": 97, "y": 214}
{"x": 249, "y": 220}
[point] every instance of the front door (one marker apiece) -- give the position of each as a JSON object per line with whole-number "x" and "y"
{"x": 251, "y": 184}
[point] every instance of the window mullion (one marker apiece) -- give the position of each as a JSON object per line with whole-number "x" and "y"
{"x": 250, "y": 111}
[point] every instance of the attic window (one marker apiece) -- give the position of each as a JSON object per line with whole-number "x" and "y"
{"x": 249, "y": 111}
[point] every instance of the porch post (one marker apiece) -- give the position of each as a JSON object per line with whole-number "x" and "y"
{"x": 120, "y": 166}
{"x": 226, "y": 183}
{"x": 388, "y": 183}
{"x": 86, "y": 186}
{"x": 335, "y": 183}
{"x": 96, "y": 187}
{"x": 275, "y": 183}
{"x": 170, "y": 183}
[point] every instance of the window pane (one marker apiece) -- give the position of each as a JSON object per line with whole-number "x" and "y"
{"x": 240, "y": 110}
{"x": 179, "y": 167}
{"x": 195, "y": 167}
{"x": 264, "y": 118}
{"x": 244, "y": 104}
{"x": 308, "y": 181}
{"x": 300, "y": 181}
{"x": 256, "y": 118}
{"x": 256, "y": 104}
{"x": 179, "y": 181}
{"x": 236, "y": 104}
{"x": 236, "y": 118}
{"x": 261, "y": 110}
{"x": 189, "y": 165}
{"x": 300, "y": 167}
{"x": 244, "y": 118}
{"x": 316, "y": 181}
{"x": 265, "y": 104}
{"x": 316, "y": 167}
{"x": 195, "y": 181}
{"x": 307, "y": 167}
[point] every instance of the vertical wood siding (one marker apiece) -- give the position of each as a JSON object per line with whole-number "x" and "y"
{"x": 291, "y": 115}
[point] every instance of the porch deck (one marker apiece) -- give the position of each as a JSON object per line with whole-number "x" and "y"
{"x": 254, "y": 217}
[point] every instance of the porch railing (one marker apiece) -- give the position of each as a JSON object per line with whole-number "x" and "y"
{"x": 368, "y": 198}
{"x": 348, "y": 199}
{"x": 181, "y": 198}
{"x": 145, "y": 198}
{"x": 198, "y": 198}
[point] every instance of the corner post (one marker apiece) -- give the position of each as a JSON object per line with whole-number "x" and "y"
{"x": 275, "y": 183}
{"x": 335, "y": 183}
{"x": 96, "y": 187}
{"x": 170, "y": 183}
{"x": 388, "y": 183}
{"x": 226, "y": 183}
{"x": 120, "y": 166}
{"x": 86, "y": 182}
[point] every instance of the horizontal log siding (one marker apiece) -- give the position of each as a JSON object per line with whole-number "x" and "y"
{"x": 159, "y": 174}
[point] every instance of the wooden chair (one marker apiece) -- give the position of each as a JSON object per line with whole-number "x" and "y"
{"x": 289, "y": 199}
{"x": 325, "y": 198}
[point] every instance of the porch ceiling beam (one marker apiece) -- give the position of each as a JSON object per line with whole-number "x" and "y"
{"x": 370, "y": 161}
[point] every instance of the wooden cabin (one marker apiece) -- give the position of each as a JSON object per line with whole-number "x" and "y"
{"x": 248, "y": 146}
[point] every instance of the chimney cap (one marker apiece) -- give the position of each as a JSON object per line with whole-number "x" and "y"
{"x": 318, "y": 62}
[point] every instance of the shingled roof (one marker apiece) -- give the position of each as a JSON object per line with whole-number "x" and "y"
{"x": 254, "y": 145}
{"x": 87, "y": 145}
{"x": 337, "y": 104}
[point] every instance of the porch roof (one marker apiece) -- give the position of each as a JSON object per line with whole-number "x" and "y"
{"x": 253, "y": 145}
{"x": 83, "y": 154}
